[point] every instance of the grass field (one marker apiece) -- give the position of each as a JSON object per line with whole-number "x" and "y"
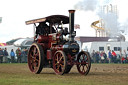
{"x": 100, "y": 74}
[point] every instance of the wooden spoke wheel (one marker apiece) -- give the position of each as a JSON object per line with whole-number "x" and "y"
{"x": 59, "y": 62}
{"x": 35, "y": 58}
{"x": 84, "y": 63}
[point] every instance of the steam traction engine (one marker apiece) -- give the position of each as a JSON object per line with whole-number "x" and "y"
{"x": 54, "y": 46}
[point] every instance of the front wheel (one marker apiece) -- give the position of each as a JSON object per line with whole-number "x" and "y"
{"x": 84, "y": 63}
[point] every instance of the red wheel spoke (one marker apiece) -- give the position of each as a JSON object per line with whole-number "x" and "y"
{"x": 80, "y": 59}
{"x": 36, "y": 60}
{"x": 58, "y": 66}
{"x": 83, "y": 56}
{"x": 62, "y": 65}
{"x": 31, "y": 56}
{"x": 60, "y": 59}
{"x": 83, "y": 70}
{"x": 57, "y": 57}
{"x": 34, "y": 50}
{"x": 86, "y": 66}
{"x": 56, "y": 63}
{"x": 61, "y": 62}
{"x": 86, "y": 59}
{"x": 79, "y": 65}
{"x": 36, "y": 54}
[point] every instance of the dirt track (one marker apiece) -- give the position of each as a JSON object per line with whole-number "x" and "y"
{"x": 100, "y": 74}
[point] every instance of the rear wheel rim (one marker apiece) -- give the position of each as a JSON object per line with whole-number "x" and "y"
{"x": 34, "y": 59}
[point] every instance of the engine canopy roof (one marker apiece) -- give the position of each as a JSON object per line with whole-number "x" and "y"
{"x": 51, "y": 19}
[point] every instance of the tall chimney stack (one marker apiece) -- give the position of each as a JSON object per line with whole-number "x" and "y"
{"x": 71, "y": 25}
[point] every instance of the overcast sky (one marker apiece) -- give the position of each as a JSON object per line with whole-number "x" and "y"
{"x": 14, "y": 13}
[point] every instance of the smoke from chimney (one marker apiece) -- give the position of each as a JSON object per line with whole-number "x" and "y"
{"x": 110, "y": 18}
{"x": 87, "y": 5}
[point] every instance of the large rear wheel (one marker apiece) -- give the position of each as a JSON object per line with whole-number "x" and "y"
{"x": 84, "y": 63}
{"x": 59, "y": 62}
{"x": 36, "y": 58}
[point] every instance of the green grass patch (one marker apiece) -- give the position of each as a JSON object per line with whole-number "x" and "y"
{"x": 100, "y": 74}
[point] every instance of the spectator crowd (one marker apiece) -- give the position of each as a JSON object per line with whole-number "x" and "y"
{"x": 111, "y": 57}
{"x": 20, "y": 56}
